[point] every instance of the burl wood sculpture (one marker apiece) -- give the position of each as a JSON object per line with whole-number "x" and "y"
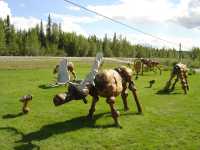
{"x": 180, "y": 72}
{"x": 106, "y": 83}
{"x": 151, "y": 64}
{"x": 70, "y": 68}
{"x": 25, "y": 100}
{"x": 137, "y": 66}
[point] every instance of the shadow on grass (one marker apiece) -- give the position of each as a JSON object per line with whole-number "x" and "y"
{"x": 147, "y": 87}
{"x": 58, "y": 128}
{"x": 25, "y": 146}
{"x": 47, "y": 86}
{"x": 11, "y": 116}
{"x": 126, "y": 113}
{"x": 67, "y": 126}
{"x": 168, "y": 92}
{"x": 62, "y": 127}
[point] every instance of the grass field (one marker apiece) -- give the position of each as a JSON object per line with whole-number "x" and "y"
{"x": 169, "y": 122}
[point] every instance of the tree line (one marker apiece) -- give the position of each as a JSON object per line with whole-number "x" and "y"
{"x": 53, "y": 41}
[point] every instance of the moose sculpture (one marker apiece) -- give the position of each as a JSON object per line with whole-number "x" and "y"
{"x": 106, "y": 83}
{"x": 70, "y": 68}
{"x": 180, "y": 72}
{"x": 151, "y": 64}
{"x": 138, "y": 65}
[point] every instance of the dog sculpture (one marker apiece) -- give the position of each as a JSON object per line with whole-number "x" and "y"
{"x": 180, "y": 72}
{"x": 106, "y": 83}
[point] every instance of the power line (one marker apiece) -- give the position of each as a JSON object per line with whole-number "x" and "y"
{"x": 121, "y": 23}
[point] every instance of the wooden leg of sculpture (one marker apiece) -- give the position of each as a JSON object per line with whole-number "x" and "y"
{"x": 168, "y": 84}
{"x": 159, "y": 69}
{"x": 185, "y": 76}
{"x": 133, "y": 90}
{"x": 183, "y": 82}
{"x": 124, "y": 95}
{"x": 92, "y": 108}
{"x": 136, "y": 77}
{"x": 25, "y": 108}
{"x": 153, "y": 69}
{"x": 176, "y": 80}
{"x": 74, "y": 75}
{"x": 142, "y": 68}
{"x": 114, "y": 112}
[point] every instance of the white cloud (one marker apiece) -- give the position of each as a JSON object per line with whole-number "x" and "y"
{"x": 185, "y": 13}
{"x": 75, "y": 19}
{"x": 138, "y": 11}
{"x": 19, "y": 22}
{"x": 4, "y": 10}
{"x": 69, "y": 23}
{"x": 187, "y": 43}
{"x": 74, "y": 8}
{"x": 190, "y": 14}
{"x": 24, "y": 23}
{"x": 156, "y": 13}
{"x": 68, "y": 26}
{"x": 73, "y": 23}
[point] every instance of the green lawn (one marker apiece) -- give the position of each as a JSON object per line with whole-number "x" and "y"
{"x": 169, "y": 122}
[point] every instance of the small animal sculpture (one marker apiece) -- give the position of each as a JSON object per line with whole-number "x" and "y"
{"x": 26, "y": 100}
{"x": 151, "y": 82}
{"x": 70, "y": 68}
{"x": 180, "y": 72}
{"x": 106, "y": 83}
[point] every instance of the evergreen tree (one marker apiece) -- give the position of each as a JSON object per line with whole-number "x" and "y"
{"x": 49, "y": 29}
{"x": 12, "y": 45}
{"x": 2, "y": 39}
{"x": 106, "y": 47}
{"x": 7, "y": 32}
{"x": 32, "y": 43}
{"x": 42, "y": 36}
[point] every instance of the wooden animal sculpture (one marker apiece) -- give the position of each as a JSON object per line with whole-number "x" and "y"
{"x": 25, "y": 100}
{"x": 137, "y": 67}
{"x": 151, "y": 64}
{"x": 180, "y": 72}
{"x": 151, "y": 82}
{"x": 70, "y": 68}
{"x": 106, "y": 83}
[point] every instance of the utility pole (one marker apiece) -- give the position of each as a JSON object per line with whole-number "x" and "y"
{"x": 180, "y": 53}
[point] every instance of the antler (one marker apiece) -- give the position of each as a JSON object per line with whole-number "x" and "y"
{"x": 63, "y": 74}
{"x": 95, "y": 68}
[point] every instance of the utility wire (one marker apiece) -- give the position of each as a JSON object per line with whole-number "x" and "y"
{"x": 121, "y": 23}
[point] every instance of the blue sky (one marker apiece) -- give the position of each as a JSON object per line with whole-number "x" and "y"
{"x": 173, "y": 20}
